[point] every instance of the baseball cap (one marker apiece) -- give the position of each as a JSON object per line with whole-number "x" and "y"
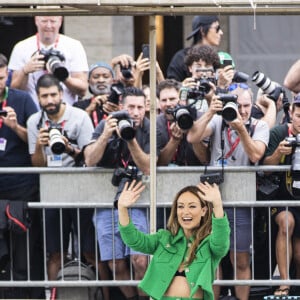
{"x": 225, "y": 56}
{"x": 199, "y": 21}
{"x": 101, "y": 64}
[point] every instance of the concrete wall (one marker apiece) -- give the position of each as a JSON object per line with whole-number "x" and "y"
{"x": 103, "y": 37}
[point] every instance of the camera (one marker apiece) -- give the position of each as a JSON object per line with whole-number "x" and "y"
{"x": 202, "y": 88}
{"x": 125, "y": 124}
{"x": 295, "y": 164}
{"x": 269, "y": 87}
{"x": 55, "y": 63}
{"x": 3, "y": 113}
{"x": 183, "y": 115}
{"x": 240, "y": 77}
{"x": 126, "y": 72}
{"x": 230, "y": 108}
{"x": 116, "y": 90}
{"x": 56, "y": 141}
{"x": 212, "y": 178}
{"x": 123, "y": 175}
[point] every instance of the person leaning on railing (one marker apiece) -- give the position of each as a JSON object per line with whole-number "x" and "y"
{"x": 187, "y": 253}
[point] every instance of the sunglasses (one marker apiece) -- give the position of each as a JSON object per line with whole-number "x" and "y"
{"x": 234, "y": 86}
{"x": 217, "y": 28}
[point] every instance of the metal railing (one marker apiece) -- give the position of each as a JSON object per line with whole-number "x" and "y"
{"x": 91, "y": 188}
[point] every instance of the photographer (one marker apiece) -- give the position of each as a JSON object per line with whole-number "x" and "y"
{"x": 100, "y": 79}
{"x": 282, "y": 151}
{"x": 56, "y": 135}
{"x": 28, "y": 63}
{"x": 203, "y": 62}
{"x": 130, "y": 157}
{"x": 16, "y": 107}
{"x": 241, "y": 141}
{"x": 171, "y": 139}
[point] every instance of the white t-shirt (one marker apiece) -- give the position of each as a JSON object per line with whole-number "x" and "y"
{"x": 76, "y": 61}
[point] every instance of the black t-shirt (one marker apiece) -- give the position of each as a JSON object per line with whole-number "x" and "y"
{"x": 185, "y": 155}
{"x": 177, "y": 69}
{"x": 116, "y": 151}
{"x": 277, "y": 134}
{"x": 15, "y": 151}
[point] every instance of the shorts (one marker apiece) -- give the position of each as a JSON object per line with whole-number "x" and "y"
{"x": 240, "y": 231}
{"x": 109, "y": 239}
{"x": 295, "y": 211}
{"x": 69, "y": 225}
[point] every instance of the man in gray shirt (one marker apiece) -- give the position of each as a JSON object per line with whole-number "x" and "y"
{"x": 240, "y": 141}
{"x": 56, "y": 135}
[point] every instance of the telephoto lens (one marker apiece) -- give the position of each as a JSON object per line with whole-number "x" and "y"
{"x": 57, "y": 144}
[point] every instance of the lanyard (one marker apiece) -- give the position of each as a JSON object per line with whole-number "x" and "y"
{"x": 232, "y": 145}
{"x": 62, "y": 124}
{"x": 38, "y": 42}
{"x": 4, "y": 103}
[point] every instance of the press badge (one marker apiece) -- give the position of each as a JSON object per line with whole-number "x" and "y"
{"x": 221, "y": 162}
{"x": 54, "y": 160}
{"x": 3, "y": 142}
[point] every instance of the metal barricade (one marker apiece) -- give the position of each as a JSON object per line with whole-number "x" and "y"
{"x": 81, "y": 188}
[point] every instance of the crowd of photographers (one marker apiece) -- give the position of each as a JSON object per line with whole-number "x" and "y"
{"x": 206, "y": 115}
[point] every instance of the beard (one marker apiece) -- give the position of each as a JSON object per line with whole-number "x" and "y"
{"x": 52, "y": 111}
{"x": 96, "y": 91}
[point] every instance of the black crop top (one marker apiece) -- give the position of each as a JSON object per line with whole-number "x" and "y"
{"x": 178, "y": 273}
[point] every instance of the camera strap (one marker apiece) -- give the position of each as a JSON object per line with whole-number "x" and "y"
{"x": 38, "y": 41}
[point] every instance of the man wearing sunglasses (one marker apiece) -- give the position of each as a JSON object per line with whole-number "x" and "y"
{"x": 245, "y": 141}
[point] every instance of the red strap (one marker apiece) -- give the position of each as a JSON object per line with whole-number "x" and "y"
{"x": 16, "y": 221}
{"x": 38, "y": 44}
{"x": 232, "y": 145}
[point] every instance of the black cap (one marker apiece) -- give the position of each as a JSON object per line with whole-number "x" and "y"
{"x": 199, "y": 21}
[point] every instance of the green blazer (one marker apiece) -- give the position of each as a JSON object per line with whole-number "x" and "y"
{"x": 169, "y": 251}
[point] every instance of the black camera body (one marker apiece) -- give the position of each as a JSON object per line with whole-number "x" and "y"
{"x": 125, "y": 124}
{"x": 240, "y": 77}
{"x": 54, "y": 60}
{"x": 126, "y": 72}
{"x": 56, "y": 141}
{"x": 230, "y": 108}
{"x": 183, "y": 115}
{"x": 116, "y": 90}
{"x": 197, "y": 93}
{"x": 123, "y": 175}
{"x": 293, "y": 141}
{"x": 3, "y": 113}
{"x": 212, "y": 178}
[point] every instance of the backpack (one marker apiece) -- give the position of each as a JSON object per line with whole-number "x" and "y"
{"x": 71, "y": 272}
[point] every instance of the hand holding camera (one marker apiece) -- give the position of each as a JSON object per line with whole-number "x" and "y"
{"x": 125, "y": 125}
{"x": 55, "y": 63}
{"x": 36, "y": 63}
